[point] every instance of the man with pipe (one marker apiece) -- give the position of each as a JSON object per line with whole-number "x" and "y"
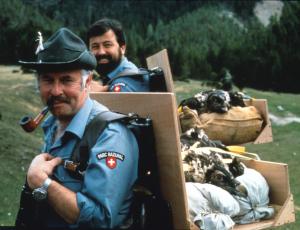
{"x": 102, "y": 197}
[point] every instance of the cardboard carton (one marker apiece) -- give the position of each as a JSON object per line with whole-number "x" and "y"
{"x": 161, "y": 59}
{"x": 281, "y": 198}
{"x": 162, "y": 108}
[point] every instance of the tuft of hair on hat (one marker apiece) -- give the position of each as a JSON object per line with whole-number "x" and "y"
{"x": 40, "y": 46}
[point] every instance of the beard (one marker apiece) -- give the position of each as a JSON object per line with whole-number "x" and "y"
{"x": 113, "y": 62}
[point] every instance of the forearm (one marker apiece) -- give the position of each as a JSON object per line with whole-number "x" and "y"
{"x": 60, "y": 198}
{"x": 63, "y": 202}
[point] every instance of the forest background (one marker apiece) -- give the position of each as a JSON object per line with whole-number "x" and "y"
{"x": 202, "y": 37}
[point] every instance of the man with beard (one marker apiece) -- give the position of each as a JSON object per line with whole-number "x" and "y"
{"x": 98, "y": 196}
{"x": 107, "y": 42}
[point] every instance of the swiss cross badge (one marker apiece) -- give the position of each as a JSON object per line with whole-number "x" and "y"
{"x": 111, "y": 162}
{"x": 117, "y": 88}
{"x": 111, "y": 158}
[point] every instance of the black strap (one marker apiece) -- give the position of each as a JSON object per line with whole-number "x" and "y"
{"x": 80, "y": 155}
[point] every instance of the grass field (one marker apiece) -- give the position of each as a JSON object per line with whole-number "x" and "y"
{"x": 17, "y": 148}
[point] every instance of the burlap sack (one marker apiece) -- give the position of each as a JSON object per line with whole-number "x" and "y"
{"x": 188, "y": 119}
{"x": 239, "y": 125}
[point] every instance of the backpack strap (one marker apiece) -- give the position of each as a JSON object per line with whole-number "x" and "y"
{"x": 80, "y": 155}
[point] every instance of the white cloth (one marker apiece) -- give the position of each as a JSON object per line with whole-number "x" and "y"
{"x": 214, "y": 221}
{"x": 255, "y": 206}
{"x": 211, "y": 207}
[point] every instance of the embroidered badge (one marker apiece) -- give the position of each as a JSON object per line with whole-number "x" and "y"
{"x": 111, "y": 158}
{"x": 117, "y": 87}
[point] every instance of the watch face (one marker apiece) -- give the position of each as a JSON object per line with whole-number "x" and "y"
{"x": 39, "y": 194}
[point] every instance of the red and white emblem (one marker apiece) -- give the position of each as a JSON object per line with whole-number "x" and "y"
{"x": 117, "y": 88}
{"x": 111, "y": 158}
{"x": 111, "y": 162}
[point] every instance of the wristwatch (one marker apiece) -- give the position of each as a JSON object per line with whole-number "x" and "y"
{"x": 40, "y": 193}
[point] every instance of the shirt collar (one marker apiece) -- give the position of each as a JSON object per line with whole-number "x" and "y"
{"x": 79, "y": 121}
{"x": 124, "y": 65}
{"x": 119, "y": 69}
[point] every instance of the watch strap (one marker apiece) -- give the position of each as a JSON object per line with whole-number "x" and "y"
{"x": 46, "y": 183}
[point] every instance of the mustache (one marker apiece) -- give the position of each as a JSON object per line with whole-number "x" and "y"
{"x": 99, "y": 57}
{"x": 53, "y": 99}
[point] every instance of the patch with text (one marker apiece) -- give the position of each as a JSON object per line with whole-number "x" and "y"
{"x": 118, "y": 86}
{"x": 111, "y": 158}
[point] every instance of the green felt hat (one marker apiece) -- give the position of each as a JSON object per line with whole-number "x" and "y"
{"x": 63, "y": 51}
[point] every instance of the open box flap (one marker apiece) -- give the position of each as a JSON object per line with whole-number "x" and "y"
{"x": 287, "y": 213}
{"x": 277, "y": 177}
{"x": 161, "y": 107}
{"x": 161, "y": 59}
{"x": 261, "y": 105}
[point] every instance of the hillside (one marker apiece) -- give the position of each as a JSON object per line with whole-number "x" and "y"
{"x": 254, "y": 40}
{"x": 17, "y": 148}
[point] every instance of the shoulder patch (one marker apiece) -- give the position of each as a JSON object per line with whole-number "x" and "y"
{"x": 118, "y": 86}
{"x": 111, "y": 158}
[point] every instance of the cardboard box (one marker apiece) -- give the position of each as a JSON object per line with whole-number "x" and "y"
{"x": 281, "y": 198}
{"x": 162, "y": 108}
{"x": 161, "y": 59}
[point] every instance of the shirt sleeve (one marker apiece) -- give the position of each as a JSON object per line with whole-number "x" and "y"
{"x": 122, "y": 87}
{"x": 130, "y": 84}
{"x": 105, "y": 197}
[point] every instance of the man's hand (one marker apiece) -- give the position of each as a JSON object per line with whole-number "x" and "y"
{"x": 41, "y": 167}
{"x": 95, "y": 86}
{"x": 60, "y": 198}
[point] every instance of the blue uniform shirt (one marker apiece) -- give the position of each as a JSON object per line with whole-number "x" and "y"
{"x": 128, "y": 84}
{"x": 104, "y": 196}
